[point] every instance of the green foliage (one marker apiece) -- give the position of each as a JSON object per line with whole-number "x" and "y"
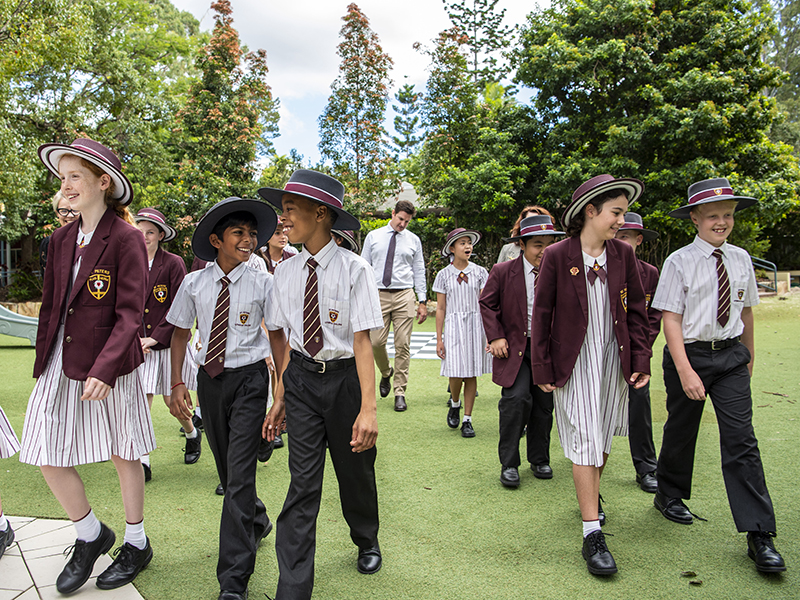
{"x": 667, "y": 91}
{"x": 407, "y": 121}
{"x": 352, "y": 137}
{"x": 783, "y": 51}
{"x": 276, "y": 174}
{"x": 25, "y": 286}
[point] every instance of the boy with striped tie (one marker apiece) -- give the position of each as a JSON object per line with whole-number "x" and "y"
{"x": 229, "y": 301}
{"x": 706, "y": 294}
{"x": 327, "y": 390}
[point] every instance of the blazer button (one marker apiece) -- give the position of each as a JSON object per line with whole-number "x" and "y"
{"x": 615, "y": 322}
{"x": 70, "y": 311}
{"x": 146, "y": 310}
{"x": 621, "y": 348}
{"x": 68, "y": 338}
{"x": 149, "y": 326}
{"x": 520, "y": 353}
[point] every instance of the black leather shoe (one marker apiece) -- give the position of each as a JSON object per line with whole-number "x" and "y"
{"x": 369, "y": 560}
{"x": 148, "y": 472}
{"x": 191, "y": 454}
{"x": 509, "y": 477}
{"x": 6, "y": 539}
{"x": 265, "y": 449}
{"x": 673, "y": 509}
{"x": 260, "y": 534}
{"x": 601, "y": 514}
{"x": 126, "y": 566}
{"x": 453, "y": 415}
{"x": 400, "y": 403}
{"x": 81, "y": 563}
{"x": 542, "y": 471}
{"x": 220, "y": 491}
{"x": 595, "y": 552}
{"x": 278, "y": 443}
{"x": 761, "y": 549}
{"x": 386, "y": 384}
{"x": 467, "y": 430}
{"x": 647, "y": 482}
{"x": 228, "y": 595}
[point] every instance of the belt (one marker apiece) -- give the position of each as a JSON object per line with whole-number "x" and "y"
{"x": 716, "y": 345}
{"x": 321, "y": 366}
{"x": 392, "y": 291}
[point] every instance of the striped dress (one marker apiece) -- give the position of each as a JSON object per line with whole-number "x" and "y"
{"x": 463, "y": 335}
{"x": 592, "y": 407}
{"x": 9, "y": 444}
{"x": 155, "y": 372}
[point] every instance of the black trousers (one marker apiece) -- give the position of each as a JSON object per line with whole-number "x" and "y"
{"x": 640, "y": 430}
{"x": 321, "y": 408}
{"x": 234, "y": 404}
{"x": 525, "y": 404}
{"x": 727, "y": 382}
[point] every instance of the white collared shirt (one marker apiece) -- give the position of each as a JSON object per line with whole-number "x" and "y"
{"x": 348, "y": 299}
{"x": 530, "y": 277}
{"x": 688, "y": 286}
{"x": 408, "y": 269}
{"x": 250, "y": 296}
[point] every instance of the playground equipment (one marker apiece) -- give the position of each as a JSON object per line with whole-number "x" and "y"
{"x": 17, "y": 325}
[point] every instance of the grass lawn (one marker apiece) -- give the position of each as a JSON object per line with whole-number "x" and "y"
{"x": 448, "y": 527}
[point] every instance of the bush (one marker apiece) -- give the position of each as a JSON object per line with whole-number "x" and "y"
{"x": 25, "y": 287}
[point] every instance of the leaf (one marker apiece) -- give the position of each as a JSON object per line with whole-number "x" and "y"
{"x": 688, "y": 574}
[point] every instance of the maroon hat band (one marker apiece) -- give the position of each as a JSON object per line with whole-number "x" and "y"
{"x": 314, "y": 192}
{"x": 152, "y": 215}
{"x": 702, "y": 195}
{"x": 632, "y": 225}
{"x": 534, "y": 228}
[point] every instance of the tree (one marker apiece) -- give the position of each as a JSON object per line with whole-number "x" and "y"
{"x": 487, "y": 37}
{"x": 280, "y": 168}
{"x": 668, "y": 91}
{"x": 783, "y": 51}
{"x": 406, "y": 121}
{"x": 352, "y": 137}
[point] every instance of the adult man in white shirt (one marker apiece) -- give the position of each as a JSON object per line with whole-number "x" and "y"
{"x": 395, "y": 255}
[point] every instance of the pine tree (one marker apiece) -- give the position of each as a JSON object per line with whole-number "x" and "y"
{"x": 406, "y": 121}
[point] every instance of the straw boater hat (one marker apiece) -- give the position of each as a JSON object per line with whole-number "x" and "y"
{"x": 534, "y": 225}
{"x": 319, "y": 188}
{"x": 95, "y": 153}
{"x": 265, "y": 217}
{"x": 711, "y": 190}
{"x": 349, "y": 239}
{"x": 456, "y": 234}
{"x": 597, "y": 186}
{"x": 156, "y": 218}
{"x": 633, "y": 222}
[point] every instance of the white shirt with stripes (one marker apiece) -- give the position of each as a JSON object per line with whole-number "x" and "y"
{"x": 408, "y": 269}
{"x": 530, "y": 279}
{"x": 250, "y": 296}
{"x": 348, "y": 299}
{"x": 688, "y": 286}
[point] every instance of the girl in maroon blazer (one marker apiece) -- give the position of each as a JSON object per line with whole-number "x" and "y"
{"x": 589, "y": 339}
{"x": 88, "y": 404}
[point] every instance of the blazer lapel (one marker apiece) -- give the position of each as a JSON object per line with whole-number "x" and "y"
{"x": 155, "y": 270}
{"x": 517, "y": 275}
{"x": 575, "y": 261}
{"x": 613, "y": 275}
{"x": 93, "y": 253}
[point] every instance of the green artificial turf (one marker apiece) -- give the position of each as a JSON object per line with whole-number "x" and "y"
{"x": 448, "y": 527}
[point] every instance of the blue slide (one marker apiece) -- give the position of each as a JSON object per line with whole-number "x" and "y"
{"x": 17, "y": 325}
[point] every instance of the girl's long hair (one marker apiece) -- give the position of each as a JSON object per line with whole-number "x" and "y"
{"x": 121, "y": 210}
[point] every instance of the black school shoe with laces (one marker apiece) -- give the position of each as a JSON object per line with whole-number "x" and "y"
{"x": 126, "y": 566}
{"x": 81, "y": 563}
{"x": 6, "y": 539}
{"x": 466, "y": 430}
{"x": 595, "y": 552}
{"x": 453, "y": 415}
{"x": 761, "y": 549}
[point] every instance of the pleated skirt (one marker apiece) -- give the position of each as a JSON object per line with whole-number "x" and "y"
{"x": 155, "y": 372}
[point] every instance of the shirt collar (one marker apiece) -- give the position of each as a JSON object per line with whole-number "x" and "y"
{"x": 590, "y": 260}
{"x": 324, "y": 256}
{"x": 390, "y": 229}
{"x": 234, "y": 275}
{"x": 706, "y": 249}
{"x": 528, "y": 266}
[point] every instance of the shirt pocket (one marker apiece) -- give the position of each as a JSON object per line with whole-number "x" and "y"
{"x": 334, "y": 314}
{"x": 245, "y": 315}
{"x": 738, "y": 291}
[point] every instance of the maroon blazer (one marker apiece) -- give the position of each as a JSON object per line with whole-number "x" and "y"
{"x": 649, "y": 275}
{"x": 504, "y": 310}
{"x": 165, "y": 278}
{"x": 103, "y": 310}
{"x": 270, "y": 265}
{"x": 561, "y": 313}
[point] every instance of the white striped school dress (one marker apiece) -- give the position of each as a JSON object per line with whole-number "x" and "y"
{"x": 9, "y": 444}
{"x": 155, "y": 372}
{"x": 592, "y": 407}
{"x": 463, "y": 335}
{"x": 190, "y": 365}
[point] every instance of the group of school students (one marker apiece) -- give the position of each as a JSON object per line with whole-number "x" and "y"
{"x": 566, "y": 329}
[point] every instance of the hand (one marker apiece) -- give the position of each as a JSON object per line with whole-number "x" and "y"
{"x": 274, "y": 423}
{"x": 692, "y": 385}
{"x": 365, "y": 431}
{"x": 547, "y": 387}
{"x": 639, "y": 380}
{"x": 270, "y": 364}
{"x": 180, "y": 403}
{"x": 147, "y": 343}
{"x": 440, "y": 349}
{"x": 499, "y": 348}
{"x": 422, "y": 313}
{"x": 94, "y": 389}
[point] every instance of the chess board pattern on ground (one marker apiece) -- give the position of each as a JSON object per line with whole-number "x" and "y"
{"x": 423, "y": 345}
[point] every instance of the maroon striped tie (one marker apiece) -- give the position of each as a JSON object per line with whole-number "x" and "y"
{"x": 724, "y": 290}
{"x": 312, "y": 327}
{"x": 215, "y": 355}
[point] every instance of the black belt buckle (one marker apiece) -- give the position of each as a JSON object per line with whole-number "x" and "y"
{"x": 722, "y": 345}
{"x": 322, "y": 363}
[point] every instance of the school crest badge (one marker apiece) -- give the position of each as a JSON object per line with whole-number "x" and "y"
{"x": 99, "y": 283}
{"x": 574, "y": 271}
{"x": 160, "y": 292}
{"x": 333, "y": 315}
{"x": 718, "y": 191}
{"x": 623, "y": 295}
{"x": 243, "y": 317}
{"x": 647, "y": 299}
{"x": 740, "y": 294}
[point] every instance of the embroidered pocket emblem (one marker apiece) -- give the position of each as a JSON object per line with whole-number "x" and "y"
{"x": 243, "y": 316}
{"x": 160, "y": 292}
{"x": 647, "y": 299}
{"x": 574, "y": 271}
{"x": 623, "y": 295}
{"x": 333, "y": 315}
{"x": 740, "y": 294}
{"x": 98, "y": 283}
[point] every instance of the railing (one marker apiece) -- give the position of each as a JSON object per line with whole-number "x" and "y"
{"x": 760, "y": 263}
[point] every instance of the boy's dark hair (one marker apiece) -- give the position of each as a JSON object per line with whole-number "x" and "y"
{"x": 234, "y": 219}
{"x": 406, "y": 207}
{"x": 576, "y": 224}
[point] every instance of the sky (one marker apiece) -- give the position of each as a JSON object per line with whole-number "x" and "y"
{"x": 301, "y": 36}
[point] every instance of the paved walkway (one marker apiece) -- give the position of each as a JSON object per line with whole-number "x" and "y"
{"x": 29, "y": 568}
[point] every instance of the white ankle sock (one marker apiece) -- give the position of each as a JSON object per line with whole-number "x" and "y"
{"x": 590, "y": 526}
{"x": 197, "y": 411}
{"x": 88, "y": 527}
{"x": 3, "y": 522}
{"x": 134, "y": 535}
{"x": 191, "y": 435}
{"x": 145, "y": 459}
{"x": 467, "y": 418}
{"x": 455, "y": 404}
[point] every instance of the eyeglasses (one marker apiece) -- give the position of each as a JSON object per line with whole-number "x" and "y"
{"x": 67, "y": 212}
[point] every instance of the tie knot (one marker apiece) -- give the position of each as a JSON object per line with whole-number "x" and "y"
{"x": 717, "y": 253}
{"x": 225, "y": 282}
{"x": 312, "y": 264}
